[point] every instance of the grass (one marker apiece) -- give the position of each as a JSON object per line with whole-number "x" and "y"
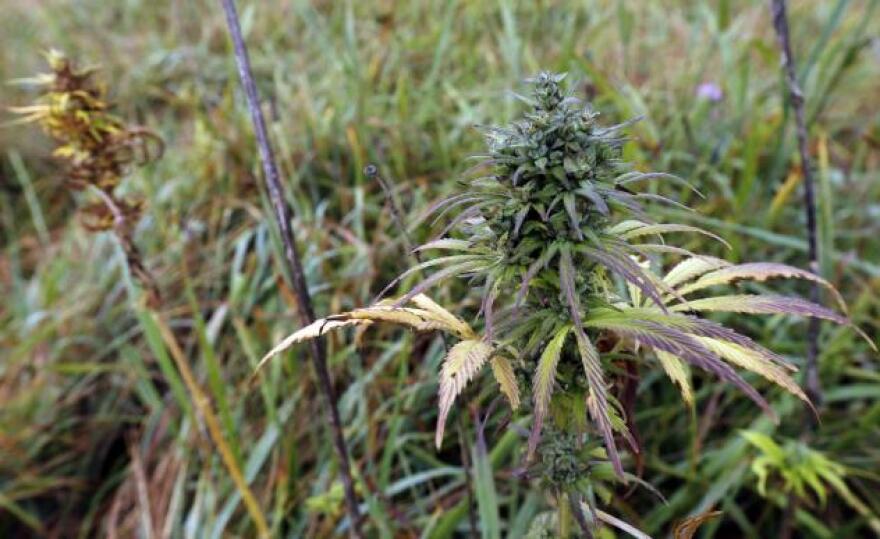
{"x": 92, "y": 412}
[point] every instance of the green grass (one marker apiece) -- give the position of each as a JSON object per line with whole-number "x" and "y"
{"x": 85, "y": 383}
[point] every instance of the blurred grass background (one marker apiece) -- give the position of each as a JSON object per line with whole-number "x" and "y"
{"x": 97, "y": 436}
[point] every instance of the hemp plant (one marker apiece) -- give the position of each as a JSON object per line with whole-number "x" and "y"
{"x": 97, "y": 149}
{"x": 550, "y": 229}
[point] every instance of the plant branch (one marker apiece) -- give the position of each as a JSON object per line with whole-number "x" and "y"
{"x": 132, "y": 254}
{"x": 294, "y": 266}
{"x": 371, "y": 171}
{"x": 796, "y": 97}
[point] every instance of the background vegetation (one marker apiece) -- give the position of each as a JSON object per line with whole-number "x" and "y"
{"x": 97, "y": 434}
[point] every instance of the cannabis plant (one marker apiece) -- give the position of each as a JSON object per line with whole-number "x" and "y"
{"x": 97, "y": 149}
{"x": 550, "y": 228}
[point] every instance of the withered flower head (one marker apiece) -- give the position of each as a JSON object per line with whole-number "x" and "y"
{"x": 97, "y": 148}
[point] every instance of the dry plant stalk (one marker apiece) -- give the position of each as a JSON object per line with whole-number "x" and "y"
{"x": 294, "y": 266}
{"x": 796, "y": 96}
{"x": 98, "y": 150}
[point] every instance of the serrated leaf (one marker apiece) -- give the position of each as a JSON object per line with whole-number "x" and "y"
{"x": 586, "y": 190}
{"x": 598, "y": 395}
{"x": 462, "y": 362}
{"x": 659, "y": 336}
{"x": 678, "y": 372}
{"x": 692, "y": 268}
{"x": 631, "y": 272}
{"x": 458, "y": 261}
{"x": 660, "y": 229}
{"x": 455, "y": 324}
{"x": 445, "y": 243}
{"x": 598, "y": 398}
{"x": 574, "y": 217}
{"x": 542, "y": 385}
{"x": 503, "y": 373}
{"x": 760, "y": 271}
{"x": 762, "y": 304}
{"x": 636, "y": 176}
{"x": 429, "y": 317}
{"x": 458, "y": 269}
{"x": 625, "y": 226}
{"x": 750, "y": 360}
{"x": 313, "y": 330}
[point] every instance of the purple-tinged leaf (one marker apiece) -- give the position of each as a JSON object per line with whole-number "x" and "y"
{"x": 761, "y": 271}
{"x": 680, "y": 344}
{"x": 586, "y": 190}
{"x": 692, "y": 268}
{"x": 628, "y": 270}
{"x": 591, "y": 361}
{"x": 763, "y": 304}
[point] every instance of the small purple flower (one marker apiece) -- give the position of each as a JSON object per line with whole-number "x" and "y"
{"x": 710, "y": 91}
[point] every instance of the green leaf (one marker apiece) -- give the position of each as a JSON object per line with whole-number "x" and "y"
{"x": 461, "y": 364}
{"x": 484, "y": 491}
{"x": 597, "y": 401}
{"x": 542, "y": 385}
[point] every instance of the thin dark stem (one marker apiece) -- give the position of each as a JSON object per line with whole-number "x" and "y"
{"x": 574, "y": 500}
{"x": 132, "y": 254}
{"x": 294, "y": 266}
{"x": 371, "y": 171}
{"x": 796, "y": 97}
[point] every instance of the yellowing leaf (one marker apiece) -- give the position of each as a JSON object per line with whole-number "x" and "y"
{"x": 691, "y": 268}
{"x": 760, "y": 271}
{"x": 751, "y": 361}
{"x": 460, "y": 365}
{"x": 313, "y": 330}
{"x": 455, "y": 324}
{"x": 430, "y": 316}
{"x": 503, "y": 373}
{"x": 678, "y": 372}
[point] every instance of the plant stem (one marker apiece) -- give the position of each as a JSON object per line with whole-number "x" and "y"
{"x": 796, "y": 96}
{"x": 574, "y": 501}
{"x": 133, "y": 257}
{"x": 294, "y": 266}
{"x": 203, "y": 405}
{"x": 371, "y": 171}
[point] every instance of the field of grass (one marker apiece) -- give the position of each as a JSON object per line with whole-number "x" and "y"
{"x": 98, "y": 433}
